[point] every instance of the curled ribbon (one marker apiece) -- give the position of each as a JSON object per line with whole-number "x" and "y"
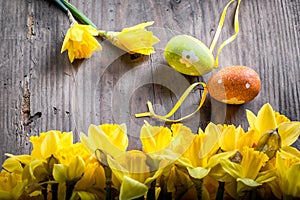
{"x": 220, "y": 26}
{"x": 177, "y": 105}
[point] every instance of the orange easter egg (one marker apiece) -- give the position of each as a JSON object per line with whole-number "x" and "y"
{"x": 234, "y": 85}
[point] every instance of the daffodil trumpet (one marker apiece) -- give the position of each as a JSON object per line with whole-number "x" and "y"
{"x": 135, "y": 39}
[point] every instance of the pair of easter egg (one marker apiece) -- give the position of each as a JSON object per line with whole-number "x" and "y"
{"x": 231, "y": 85}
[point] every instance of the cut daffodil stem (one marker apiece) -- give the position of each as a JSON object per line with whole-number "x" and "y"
{"x": 198, "y": 185}
{"x": 220, "y": 192}
{"x": 61, "y": 5}
{"x": 54, "y": 190}
{"x": 102, "y": 159}
{"x": 77, "y": 14}
{"x": 151, "y": 191}
{"x": 70, "y": 185}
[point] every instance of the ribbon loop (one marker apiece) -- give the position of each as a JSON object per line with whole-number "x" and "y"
{"x": 220, "y": 26}
{"x": 166, "y": 117}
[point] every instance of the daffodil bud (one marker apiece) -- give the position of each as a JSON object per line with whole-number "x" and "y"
{"x": 269, "y": 143}
{"x": 189, "y": 56}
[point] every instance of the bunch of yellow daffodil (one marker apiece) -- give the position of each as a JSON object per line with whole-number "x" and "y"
{"x": 81, "y": 43}
{"x": 222, "y": 161}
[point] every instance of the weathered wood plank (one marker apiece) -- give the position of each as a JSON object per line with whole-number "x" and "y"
{"x": 112, "y": 86}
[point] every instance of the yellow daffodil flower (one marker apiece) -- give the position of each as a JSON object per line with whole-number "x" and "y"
{"x": 80, "y": 41}
{"x": 11, "y": 185}
{"x": 70, "y": 172}
{"x": 68, "y": 153}
{"x": 134, "y": 39}
{"x": 164, "y": 143}
{"x": 288, "y": 167}
{"x": 49, "y": 143}
{"x": 135, "y": 178}
{"x": 15, "y": 164}
{"x": 248, "y": 172}
{"x": 267, "y": 120}
{"x": 233, "y": 138}
{"x": 110, "y": 138}
{"x": 204, "y": 146}
{"x": 92, "y": 184}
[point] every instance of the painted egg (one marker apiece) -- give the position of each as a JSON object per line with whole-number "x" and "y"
{"x": 234, "y": 85}
{"x": 189, "y": 56}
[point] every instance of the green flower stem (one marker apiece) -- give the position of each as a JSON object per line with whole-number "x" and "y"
{"x": 253, "y": 194}
{"x": 108, "y": 176}
{"x": 151, "y": 191}
{"x": 79, "y": 15}
{"x": 198, "y": 184}
{"x": 45, "y": 191}
{"x": 61, "y": 5}
{"x": 54, "y": 190}
{"x": 70, "y": 187}
{"x": 220, "y": 192}
{"x": 288, "y": 197}
{"x": 102, "y": 33}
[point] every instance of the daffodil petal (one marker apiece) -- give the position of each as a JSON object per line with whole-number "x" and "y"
{"x": 288, "y": 151}
{"x": 60, "y": 173}
{"x": 24, "y": 159}
{"x": 50, "y": 144}
{"x": 213, "y": 134}
{"x": 12, "y": 165}
{"x": 251, "y": 119}
{"x": 75, "y": 168}
{"x": 293, "y": 179}
{"x": 198, "y": 172}
{"x": 266, "y": 176}
{"x": 234, "y": 169}
{"x": 89, "y": 145}
{"x": 215, "y": 159}
{"x": 249, "y": 182}
{"x": 266, "y": 119}
{"x": 131, "y": 189}
{"x": 102, "y": 142}
{"x": 289, "y": 132}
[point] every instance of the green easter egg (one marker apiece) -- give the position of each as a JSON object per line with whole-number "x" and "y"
{"x": 189, "y": 56}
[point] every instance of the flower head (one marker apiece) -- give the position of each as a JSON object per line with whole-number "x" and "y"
{"x": 288, "y": 165}
{"x": 109, "y": 138}
{"x": 268, "y": 120}
{"x": 11, "y": 185}
{"x": 80, "y": 41}
{"x": 247, "y": 170}
{"x": 134, "y": 39}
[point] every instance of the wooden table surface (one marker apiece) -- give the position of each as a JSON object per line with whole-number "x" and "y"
{"x": 41, "y": 90}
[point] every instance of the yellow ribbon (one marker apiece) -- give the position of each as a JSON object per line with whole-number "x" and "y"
{"x": 220, "y": 26}
{"x": 151, "y": 112}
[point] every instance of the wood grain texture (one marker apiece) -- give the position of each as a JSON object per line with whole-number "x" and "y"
{"x": 40, "y": 90}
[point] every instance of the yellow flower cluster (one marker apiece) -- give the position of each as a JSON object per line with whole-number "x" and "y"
{"x": 222, "y": 161}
